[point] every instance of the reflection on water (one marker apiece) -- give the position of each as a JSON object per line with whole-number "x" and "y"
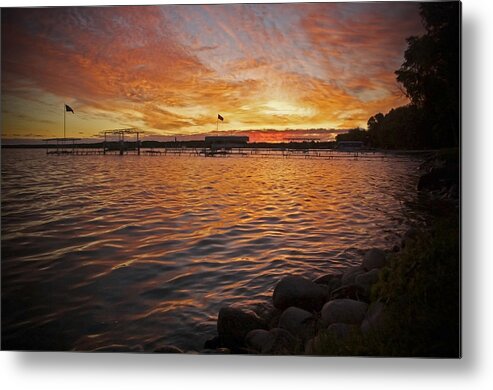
{"x": 136, "y": 251}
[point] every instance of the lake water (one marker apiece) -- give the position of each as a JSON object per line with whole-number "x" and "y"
{"x": 136, "y": 251}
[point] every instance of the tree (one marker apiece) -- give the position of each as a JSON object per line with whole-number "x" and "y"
{"x": 401, "y": 128}
{"x": 374, "y": 124}
{"x": 357, "y": 134}
{"x": 430, "y": 73}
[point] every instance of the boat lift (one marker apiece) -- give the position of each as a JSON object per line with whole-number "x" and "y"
{"x": 120, "y": 134}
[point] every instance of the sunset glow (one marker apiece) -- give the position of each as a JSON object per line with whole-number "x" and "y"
{"x": 169, "y": 70}
{"x": 232, "y": 179}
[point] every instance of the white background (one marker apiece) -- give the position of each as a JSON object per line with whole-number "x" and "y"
{"x": 474, "y": 370}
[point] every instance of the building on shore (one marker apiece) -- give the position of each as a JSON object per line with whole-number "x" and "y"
{"x": 350, "y": 145}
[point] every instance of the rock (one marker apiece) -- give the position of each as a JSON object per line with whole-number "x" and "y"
{"x": 298, "y": 322}
{"x": 367, "y": 280}
{"x": 351, "y": 291}
{"x": 284, "y": 342}
{"x": 374, "y": 258}
{"x": 233, "y": 324}
{"x": 168, "y": 349}
{"x": 350, "y": 274}
{"x": 299, "y": 292}
{"x": 277, "y": 341}
{"x": 340, "y": 330}
{"x": 347, "y": 311}
{"x": 207, "y": 351}
{"x": 268, "y": 314}
{"x": 259, "y": 340}
{"x": 213, "y": 343}
{"x": 374, "y": 317}
{"x": 329, "y": 281}
{"x": 325, "y": 279}
{"x": 273, "y": 320}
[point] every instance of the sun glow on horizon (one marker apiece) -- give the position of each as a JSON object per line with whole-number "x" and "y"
{"x": 171, "y": 69}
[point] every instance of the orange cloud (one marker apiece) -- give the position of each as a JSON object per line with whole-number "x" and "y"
{"x": 171, "y": 69}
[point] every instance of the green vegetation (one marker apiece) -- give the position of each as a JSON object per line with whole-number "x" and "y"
{"x": 421, "y": 292}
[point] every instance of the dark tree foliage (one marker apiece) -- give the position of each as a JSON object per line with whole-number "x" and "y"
{"x": 430, "y": 76}
{"x": 401, "y": 128}
{"x": 357, "y": 134}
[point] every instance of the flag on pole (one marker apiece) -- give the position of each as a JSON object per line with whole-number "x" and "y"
{"x": 69, "y": 109}
{"x": 220, "y": 117}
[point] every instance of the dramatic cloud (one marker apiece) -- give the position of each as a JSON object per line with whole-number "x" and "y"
{"x": 171, "y": 69}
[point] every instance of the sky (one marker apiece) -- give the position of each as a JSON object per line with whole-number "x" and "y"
{"x": 314, "y": 69}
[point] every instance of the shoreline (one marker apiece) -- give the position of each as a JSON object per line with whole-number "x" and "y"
{"x": 258, "y": 145}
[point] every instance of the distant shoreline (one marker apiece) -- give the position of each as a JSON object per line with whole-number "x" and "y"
{"x": 255, "y": 145}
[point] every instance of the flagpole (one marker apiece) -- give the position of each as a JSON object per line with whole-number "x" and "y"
{"x": 217, "y": 124}
{"x": 64, "y": 111}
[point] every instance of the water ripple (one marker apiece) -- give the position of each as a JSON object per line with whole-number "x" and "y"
{"x": 109, "y": 252}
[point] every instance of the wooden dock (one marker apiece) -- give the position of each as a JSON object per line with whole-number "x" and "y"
{"x": 327, "y": 154}
{"x": 248, "y": 152}
{"x": 89, "y": 152}
{"x": 70, "y": 148}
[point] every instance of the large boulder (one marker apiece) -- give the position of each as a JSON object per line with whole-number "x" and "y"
{"x": 298, "y": 322}
{"x": 340, "y": 330}
{"x": 329, "y": 281}
{"x": 374, "y": 259}
{"x": 367, "y": 280}
{"x": 212, "y": 343}
{"x": 299, "y": 292}
{"x": 284, "y": 342}
{"x": 167, "y": 349}
{"x": 327, "y": 278}
{"x": 350, "y": 291}
{"x": 277, "y": 341}
{"x": 347, "y": 311}
{"x": 260, "y": 340}
{"x": 350, "y": 274}
{"x": 234, "y": 323}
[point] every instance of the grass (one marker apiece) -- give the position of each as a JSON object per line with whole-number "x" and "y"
{"x": 421, "y": 290}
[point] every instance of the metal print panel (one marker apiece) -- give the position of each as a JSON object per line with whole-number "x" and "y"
{"x": 276, "y": 179}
